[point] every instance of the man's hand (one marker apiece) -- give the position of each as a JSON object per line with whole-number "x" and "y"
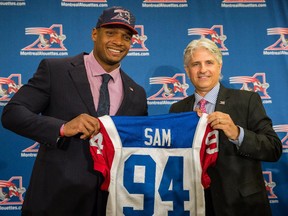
{"x": 199, "y": 112}
{"x": 84, "y": 124}
{"x": 223, "y": 121}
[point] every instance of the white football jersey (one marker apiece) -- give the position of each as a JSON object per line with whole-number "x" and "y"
{"x": 155, "y": 165}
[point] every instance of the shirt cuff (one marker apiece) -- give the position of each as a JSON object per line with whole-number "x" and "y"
{"x": 61, "y": 132}
{"x": 239, "y": 141}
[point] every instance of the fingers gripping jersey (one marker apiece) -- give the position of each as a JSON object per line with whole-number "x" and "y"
{"x": 155, "y": 165}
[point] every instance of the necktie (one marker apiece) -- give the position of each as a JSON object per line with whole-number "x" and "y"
{"x": 202, "y": 104}
{"x": 104, "y": 99}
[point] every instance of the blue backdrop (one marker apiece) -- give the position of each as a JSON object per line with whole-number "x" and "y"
{"x": 252, "y": 34}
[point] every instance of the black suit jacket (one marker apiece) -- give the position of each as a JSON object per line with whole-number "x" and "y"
{"x": 237, "y": 183}
{"x": 63, "y": 181}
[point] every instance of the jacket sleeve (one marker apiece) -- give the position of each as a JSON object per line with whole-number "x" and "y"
{"x": 260, "y": 140}
{"x": 23, "y": 113}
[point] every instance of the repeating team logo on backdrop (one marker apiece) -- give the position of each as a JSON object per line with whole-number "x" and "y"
{"x": 8, "y": 87}
{"x": 31, "y": 151}
{"x": 243, "y": 3}
{"x": 165, "y": 3}
{"x": 47, "y": 41}
{"x": 138, "y": 47}
{"x": 215, "y": 33}
{"x": 84, "y": 3}
{"x": 12, "y": 3}
{"x": 11, "y": 192}
{"x": 280, "y": 45}
{"x": 270, "y": 185}
{"x": 170, "y": 89}
{"x": 255, "y": 83}
{"x": 280, "y": 129}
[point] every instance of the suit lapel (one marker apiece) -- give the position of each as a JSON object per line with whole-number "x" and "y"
{"x": 80, "y": 79}
{"x": 128, "y": 93}
{"x": 222, "y": 102}
{"x": 190, "y": 103}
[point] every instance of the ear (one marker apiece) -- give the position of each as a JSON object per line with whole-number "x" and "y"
{"x": 220, "y": 66}
{"x": 94, "y": 34}
{"x": 187, "y": 71}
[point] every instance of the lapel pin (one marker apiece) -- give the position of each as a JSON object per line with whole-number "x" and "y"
{"x": 131, "y": 89}
{"x": 222, "y": 102}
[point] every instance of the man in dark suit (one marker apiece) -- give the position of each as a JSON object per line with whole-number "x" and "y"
{"x": 58, "y": 109}
{"x": 246, "y": 136}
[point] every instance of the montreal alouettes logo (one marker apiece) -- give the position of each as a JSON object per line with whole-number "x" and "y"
{"x": 31, "y": 151}
{"x": 269, "y": 184}
{"x": 281, "y": 42}
{"x": 47, "y": 39}
{"x": 123, "y": 15}
{"x": 138, "y": 41}
{"x": 8, "y": 87}
{"x": 11, "y": 191}
{"x": 215, "y": 33}
{"x": 171, "y": 88}
{"x": 283, "y": 129}
{"x": 256, "y": 83}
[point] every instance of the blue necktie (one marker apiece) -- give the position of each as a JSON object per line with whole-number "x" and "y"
{"x": 104, "y": 99}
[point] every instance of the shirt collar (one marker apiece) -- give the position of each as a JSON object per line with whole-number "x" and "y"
{"x": 97, "y": 70}
{"x": 211, "y": 96}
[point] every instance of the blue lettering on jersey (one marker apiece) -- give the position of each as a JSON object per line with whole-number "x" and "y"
{"x": 171, "y": 186}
